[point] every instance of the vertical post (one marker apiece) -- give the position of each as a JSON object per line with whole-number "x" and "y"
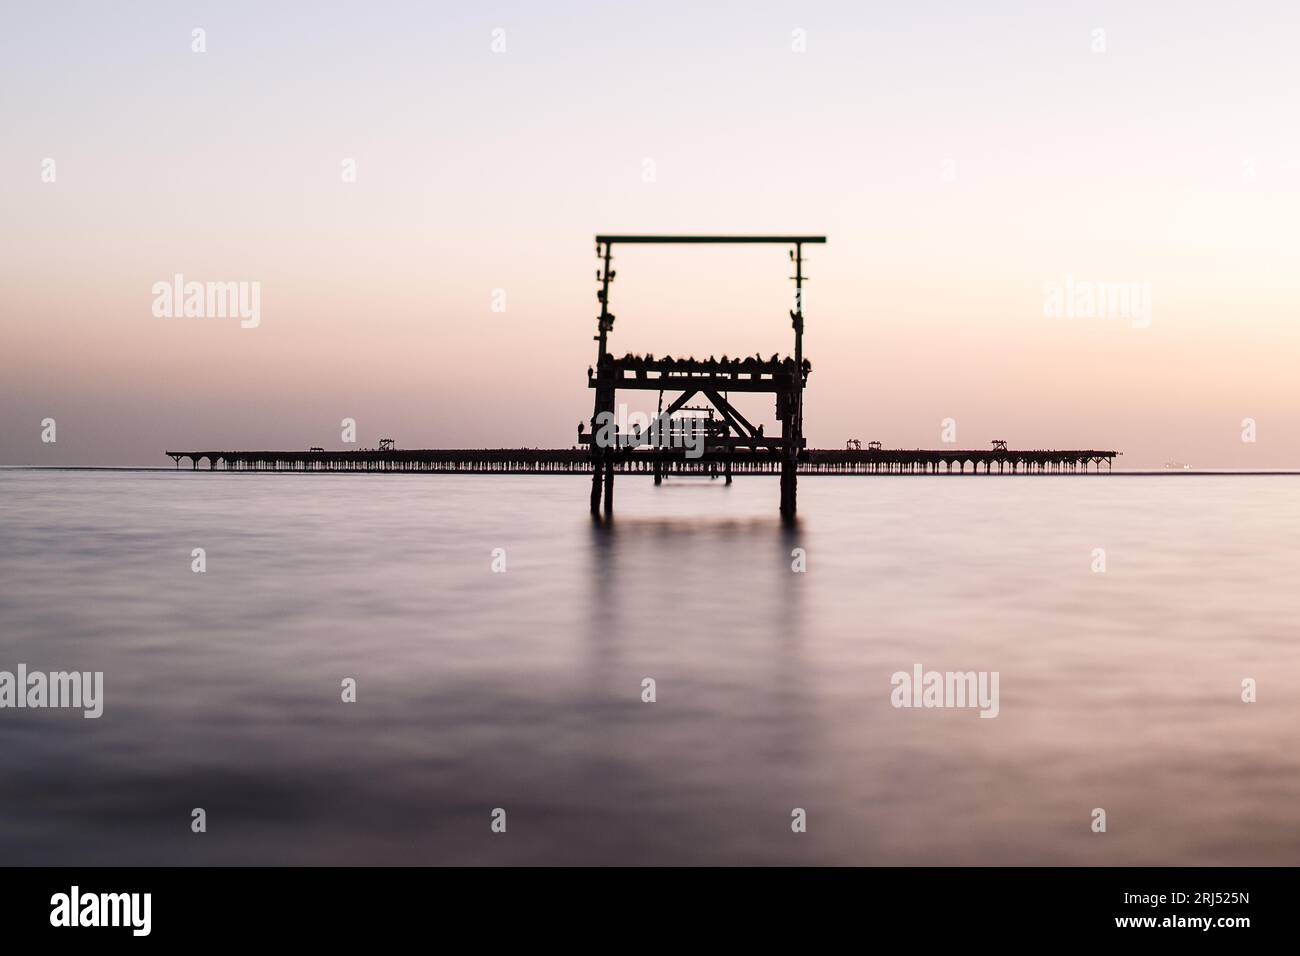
{"x": 792, "y": 421}
{"x": 604, "y": 399}
{"x": 596, "y": 466}
{"x": 797, "y": 314}
{"x": 609, "y": 485}
{"x": 788, "y": 489}
{"x": 604, "y": 250}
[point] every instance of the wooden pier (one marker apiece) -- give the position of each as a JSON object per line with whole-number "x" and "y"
{"x": 708, "y": 439}
{"x": 712, "y": 380}
{"x": 713, "y": 463}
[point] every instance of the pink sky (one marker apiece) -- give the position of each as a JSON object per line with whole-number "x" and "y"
{"x": 958, "y": 164}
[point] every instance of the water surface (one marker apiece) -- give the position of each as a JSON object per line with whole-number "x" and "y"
{"x": 522, "y": 690}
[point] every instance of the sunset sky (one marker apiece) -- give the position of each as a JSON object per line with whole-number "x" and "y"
{"x": 959, "y": 164}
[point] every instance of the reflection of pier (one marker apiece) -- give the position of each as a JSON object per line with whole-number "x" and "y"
{"x": 643, "y": 461}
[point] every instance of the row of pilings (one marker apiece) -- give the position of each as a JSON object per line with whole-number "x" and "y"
{"x": 578, "y": 461}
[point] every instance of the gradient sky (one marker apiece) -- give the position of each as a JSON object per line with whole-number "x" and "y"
{"x": 1173, "y": 158}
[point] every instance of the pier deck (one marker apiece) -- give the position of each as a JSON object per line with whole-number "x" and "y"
{"x": 671, "y": 461}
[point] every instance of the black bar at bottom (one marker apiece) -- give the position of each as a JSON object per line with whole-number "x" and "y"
{"x": 974, "y": 907}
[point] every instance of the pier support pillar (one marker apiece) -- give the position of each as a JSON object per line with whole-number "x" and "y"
{"x": 788, "y": 488}
{"x": 609, "y": 486}
{"x": 596, "y": 469}
{"x": 728, "y": 471}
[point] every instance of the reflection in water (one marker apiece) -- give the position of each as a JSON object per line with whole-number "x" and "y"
{"x": 522, "y": 690}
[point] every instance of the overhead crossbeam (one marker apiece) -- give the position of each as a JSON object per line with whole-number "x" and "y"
{"x": 781, "y": 240}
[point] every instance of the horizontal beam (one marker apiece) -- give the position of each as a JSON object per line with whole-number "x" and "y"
{"x": 699, "y": 383}
{"x": 783, "y": 240}
{"x": 580, "y": 454}
{"x": 681, "y": 366}
{"x": 821, "y": 454}
{"x": 711, "y": 443}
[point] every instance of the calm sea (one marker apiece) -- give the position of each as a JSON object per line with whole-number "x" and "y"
{"x": 476, "y": 690}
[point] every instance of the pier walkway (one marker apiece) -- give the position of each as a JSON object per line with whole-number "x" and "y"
{"x": 669, "y": 461}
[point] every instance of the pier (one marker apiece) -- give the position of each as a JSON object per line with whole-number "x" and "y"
{"x": 708, "y": 439}
{"x": 736, "y": 441}
{"x": 665, "y": 462}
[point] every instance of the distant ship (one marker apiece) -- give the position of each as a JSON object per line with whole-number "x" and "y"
{"x": 1177, "y": 466}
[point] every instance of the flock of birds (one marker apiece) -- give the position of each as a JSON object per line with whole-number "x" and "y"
{"x": 753, "y": 363}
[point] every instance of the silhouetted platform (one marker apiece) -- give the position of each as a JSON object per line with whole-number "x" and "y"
{"x": 708, "y": 438}
{"x": 744, "y": 459}
{"x": 703, "y": 375}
